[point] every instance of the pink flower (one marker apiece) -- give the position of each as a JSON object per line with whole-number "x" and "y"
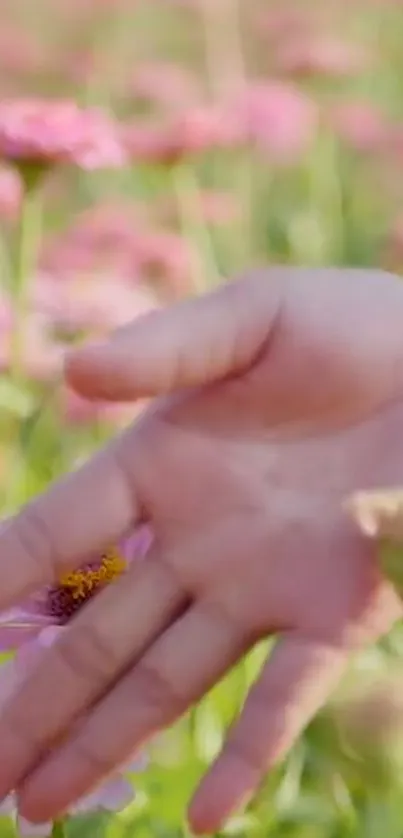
{"x": 278, "y": 118}
{"x": 199, "y": 130}
{"x": 84, "y": 301}
{"x": 281, "y": 21}
{"x": 42, "y": 132}
{"x": 21, "y": 54}
{"x": 164, "y": 84}
{"x": 100, "y": 240}
{"x": 361, "y": 125}
{"x": 36, "y": 626}
{"x": 321, "y": 55}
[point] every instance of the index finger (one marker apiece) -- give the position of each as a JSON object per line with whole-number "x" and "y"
{"x": 79, "y": 515}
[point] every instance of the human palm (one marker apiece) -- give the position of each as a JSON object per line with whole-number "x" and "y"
{"x": 281, "y": 395}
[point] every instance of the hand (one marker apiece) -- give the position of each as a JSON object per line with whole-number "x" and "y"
{"x": 279, "y": 395}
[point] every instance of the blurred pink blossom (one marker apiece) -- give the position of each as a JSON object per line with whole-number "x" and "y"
{"x": 321, "y": 55}
{"x": 21, "y": 54}
{"x": 164, "y": 84}
{"x": 166, "y": 259}
{"x": 101, "y": 239}
{"x": 33, "y": 627}
{"x": 361, "y": 125}
{"x": 117, "y": 240}
{"x": 285, "y": 20}
{"x": 277, "y": 118}
{"x": 200, "y": 129}
{"x": 44, "y": 132}
{"x": 89, "y": 303}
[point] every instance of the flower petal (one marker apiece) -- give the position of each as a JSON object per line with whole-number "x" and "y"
{"x": 137, "y": 763}
{"x": 136, "y": 545}
{"x": 113, "y": 796}
{"x": 8, "y": 805}
{"x": 26, "y": 829}
{"x": 17, "y": 625}
{"x": 48, "y": 635}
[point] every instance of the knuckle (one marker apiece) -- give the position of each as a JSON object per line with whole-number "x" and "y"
{"x": 162, "y": 698}
{"x": 35, "y": 544}
{"x": 87, "y": 654}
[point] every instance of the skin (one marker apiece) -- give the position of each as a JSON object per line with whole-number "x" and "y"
{"x": 276, "y": 397}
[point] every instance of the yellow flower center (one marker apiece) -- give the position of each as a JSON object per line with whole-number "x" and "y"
{"x": 83, "y": 582}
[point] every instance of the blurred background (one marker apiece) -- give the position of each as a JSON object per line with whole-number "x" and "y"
{"x": 253, "y": 131}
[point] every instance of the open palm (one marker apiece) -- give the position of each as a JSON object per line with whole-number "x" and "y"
{"x": 278, "y": 396}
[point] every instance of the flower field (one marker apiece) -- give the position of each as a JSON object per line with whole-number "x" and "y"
{"x": 149, "y": 150}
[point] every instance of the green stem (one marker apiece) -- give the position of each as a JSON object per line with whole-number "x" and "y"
{"x": 59, "y": 829}
{"x": 22, "y": 270}
{"x": 194, "y": 227}
{"x": 24, "y": 265}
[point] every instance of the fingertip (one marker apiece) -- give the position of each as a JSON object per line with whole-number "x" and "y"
{"x": 224, "y": 791}
{"x": 92, "y": 372}
{"x": 73, "y": 370}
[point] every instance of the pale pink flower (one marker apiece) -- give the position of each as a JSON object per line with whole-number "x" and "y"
{"x": 30, "y": 629}
{"x": 90, "y": 302}
{"x": 282, "y": 21}
{"x": 164, "y": 84}
{"x": 198, "y": 130}
{"x": 321, "y": 55}
{"x": 360, "y": 124}
{"x": 100, "y": 240}
{"x": 277, "y": 118}
{"x": 113, "y": 243}
{"x": 43, "y": 132}
{"x": 21, "y": 54}
{"x": 165, "y": 258}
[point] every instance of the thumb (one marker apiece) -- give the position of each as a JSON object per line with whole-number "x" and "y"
{"x": 192, "y": 343}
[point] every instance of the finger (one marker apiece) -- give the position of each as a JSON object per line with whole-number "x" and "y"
{"x": 80, "y": 515}
{"x": 293, "y": 685}
{"x": 195, "y": 342}
{"x": 84, "y": 661}
{"x": 181, "y": 666}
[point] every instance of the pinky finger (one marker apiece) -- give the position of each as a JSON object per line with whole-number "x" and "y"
{"x": 295, "y": 682}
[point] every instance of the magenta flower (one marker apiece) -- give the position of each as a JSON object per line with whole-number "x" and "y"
{"x": 30, "y": 629}
{"x": 40, "y": 132}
